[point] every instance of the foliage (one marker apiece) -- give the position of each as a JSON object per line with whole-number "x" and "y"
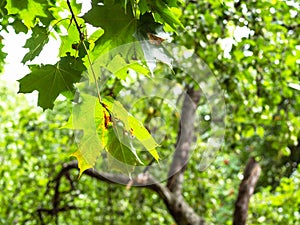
{"x": 33, "y": 151}
{"x": 52, "y": 80}
{"x": 279, "y": 207}
{"x": 252, "y": 47}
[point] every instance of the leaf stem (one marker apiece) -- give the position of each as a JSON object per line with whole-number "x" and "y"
{"x": 93, "y": 72}
{"x": 81, "y": 35}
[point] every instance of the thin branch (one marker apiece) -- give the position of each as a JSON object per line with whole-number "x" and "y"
{"x": 93, "y": 72}
{"x": 81, "y": 35}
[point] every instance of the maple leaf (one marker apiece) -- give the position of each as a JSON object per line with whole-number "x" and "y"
{"x": 87, "y": 116}
{"x": 36, "y": 43}
{"x": 132, "y": 126}
{"x": 120, "y": 157}
{"x": 118, "y": 25}
{"x": 29, "y": 11}
{"x": 102, "y": 126}
{"x": 98, "y": 134}
{"x": 51, "y": 80}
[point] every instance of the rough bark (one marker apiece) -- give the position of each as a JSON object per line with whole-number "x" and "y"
{"x": 182, "y": 212}
{"x": 246, "y": 189}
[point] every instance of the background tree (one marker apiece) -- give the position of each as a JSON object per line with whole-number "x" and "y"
{"x": 251, "y": 47}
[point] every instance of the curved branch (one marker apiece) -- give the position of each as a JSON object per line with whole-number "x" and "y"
{"x": 178, "y": 208}
{"x": 144, "y": 180}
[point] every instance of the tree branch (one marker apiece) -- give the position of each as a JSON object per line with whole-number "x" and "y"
{"x": 178, "y": 208}
{"x": 246, "y": 189}
{"x": 184, "y": 140}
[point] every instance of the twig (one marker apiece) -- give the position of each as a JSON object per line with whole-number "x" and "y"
{"x": 81, "y": 35}
{"x": 93, "y": 72}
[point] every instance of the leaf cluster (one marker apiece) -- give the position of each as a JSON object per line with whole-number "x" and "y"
{"x": 82, "y": 56}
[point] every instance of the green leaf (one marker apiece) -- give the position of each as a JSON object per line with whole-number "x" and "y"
{"x": 51, "y": 80}
{"x": 36, "y": 43}
{"x": 19, "y": 4}
{"x": 120, "y": 68}
{"x": 19, "y": 26}
{"x": 68, "y": 124}
{"x": 131, "y": 125}
{"x": 171, "y": 3}
{"x": 33, "y": 10}
{"x": 95, "y": 36}
{"x": 98, "y": 134}
{"x": 137, "y": 67}
{"x": 3, "y": 10}
{"x": 143, "y": 6}
{"x": 120, "y": 156}
{"x": 111, "y": 17}
{"x": 84, "y": 117}
{"x": 71, "y": 43}
{"x": 163, "y": 14}
{"x": 119, "y": 26}
{"x": 67, "y": 41}
{"x": 117, "y": 65}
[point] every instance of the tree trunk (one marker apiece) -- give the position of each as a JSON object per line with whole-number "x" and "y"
{"x": 182, "y": 213}
{"x": 246, "y": 189}
{"x": 184, "y": 140}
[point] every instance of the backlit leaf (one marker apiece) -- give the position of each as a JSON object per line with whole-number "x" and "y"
{"x": 28, "y": 12}
{"x": 51, "y": 80}
{"x": 119, "y": 26}
{"x": 36, "y": 43}
{"x": 83, "y": 118}
{"x": 120, "y": 156}
{"x": 98, "y": 134}
{"x": 163, "y": 14}
{"x": 132, "y": 126}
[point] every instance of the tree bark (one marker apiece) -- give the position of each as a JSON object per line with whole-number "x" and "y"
{"x": 246, "y": 189}
{"x": 184, "y": 140}
{"x": 182, "y": 212}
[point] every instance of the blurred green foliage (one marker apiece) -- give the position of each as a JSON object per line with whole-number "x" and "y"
{"x": 253, "y": 49}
